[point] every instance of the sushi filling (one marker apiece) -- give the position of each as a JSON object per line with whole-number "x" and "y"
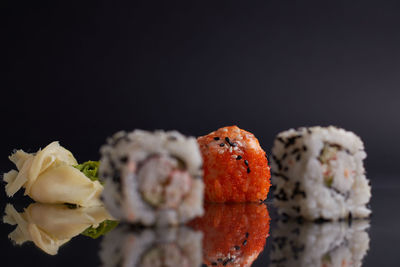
{"x": 163, "y": 182}
{"x": 337, "y": 163}
{"x": 164, "y": 255}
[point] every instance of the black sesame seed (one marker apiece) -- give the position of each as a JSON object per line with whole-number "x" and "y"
{"x": 238, "y": 157}
{"x": 285, "y": 169}
{"x": 225, "y": 262}
{"x": 296, "y": 208}
{"x": 296, "y": 250}
{"x": 278, "y": 261}
{"x": 298, "y": 157}
{"x": 229, "y": 142}
{"x": 295, "y": 151}
{"x": 280, "y": 139}
{"x": 216, "y": 138}
{"x": 297, "y": 191}
{"x": 280, "y": 241}
{"x": 244, "y": 242}
{"x": 247, "y": 234}
{"x": 284, "y": 156}
{"x": 304, "y": 148}
{"x": 285, "y": 217}
{"x": 281, "y": 195}
{"x": 300, "y": 220}
{"x": 214, "y": 263}
{"x": 221, "y": 145}
{"x": 296, "y": 231}
{"x": 320, "y": 220}
{"x": 124, "y": 159}
{"x": 172, "y": 138}
{"x": 246, "y": 162}
{"x": 248, "y": 170}
{"x": 219, "y": 259}
{"x": 236, "y": 247}
{"x": 280, "y": 175}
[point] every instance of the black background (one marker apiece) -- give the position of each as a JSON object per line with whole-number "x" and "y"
{"x": 77, "y": 73}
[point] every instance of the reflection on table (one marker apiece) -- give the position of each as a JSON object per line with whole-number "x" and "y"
{"x": 50, "y": 226}
{"x": 234, "y": 234}
{"x": 319, "y": 244}
{"x": 152, "y": 247}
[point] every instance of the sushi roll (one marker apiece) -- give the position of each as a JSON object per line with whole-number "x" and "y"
{"x": 318, "y": 173}
{"x": 325, "y": 244}
{"x": 234, "y": 233}
{"x": 152, "y": 178}
{"x": 235, "y": 166}
{"x": 50, "y": 226}
{"x": 169, "y": 247}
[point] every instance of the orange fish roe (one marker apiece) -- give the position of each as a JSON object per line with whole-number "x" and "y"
{"x": 233, "y": 234}
{"x": 235, "y": 166}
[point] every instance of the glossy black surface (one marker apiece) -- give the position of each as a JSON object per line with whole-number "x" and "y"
{"x": 83, "y": 251}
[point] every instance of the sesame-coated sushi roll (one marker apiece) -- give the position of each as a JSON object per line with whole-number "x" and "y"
{"x": 151, "y": 247}
{"x": 234, "y": 233}
{"x": 235, "y": 166}
{"x": 318, "y": 173}
{"x": 314, "y": 245}
{"x": 152, "y": 178}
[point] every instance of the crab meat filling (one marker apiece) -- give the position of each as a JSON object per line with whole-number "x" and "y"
{"x": 336, "y": 162}
{"x": 162, "y": 181}
{"x": 168, "y": 255}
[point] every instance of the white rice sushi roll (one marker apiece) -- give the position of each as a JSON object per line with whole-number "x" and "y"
{"x": 335, "y": 244}
{"x": 171, "y": 246}
{"x": 318, "y": 173}
{"x": 152, "y": 178}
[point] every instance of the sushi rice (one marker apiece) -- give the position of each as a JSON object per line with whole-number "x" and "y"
{"x": 152, "y": 178}
{"x": 318, "y": 173}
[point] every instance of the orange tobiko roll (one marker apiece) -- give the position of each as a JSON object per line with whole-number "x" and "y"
{"x": 234, "y": 234}
{"x": 235, "y": 166}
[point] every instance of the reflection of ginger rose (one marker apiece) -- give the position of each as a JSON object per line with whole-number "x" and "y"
{"x": 234, "y": 234}
{"x": 50, "y": 226}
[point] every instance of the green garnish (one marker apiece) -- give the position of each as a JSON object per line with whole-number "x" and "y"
{"x": 326, "y": 258}
{"x": 71, "y": 206}
{"x": 103, "y": 228}
{"x": 329, "y": 181}
{"x": 90, "y": 169}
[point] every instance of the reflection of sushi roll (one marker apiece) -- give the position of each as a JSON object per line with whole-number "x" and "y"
{"x": 175, "y": 246}
{"x": 152, "y": 178}
{"x": 319, "y": 174}
{"x": 327, "y": 244}
{"x": 234, "y": 234}
{"x": 235, "y": 166}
